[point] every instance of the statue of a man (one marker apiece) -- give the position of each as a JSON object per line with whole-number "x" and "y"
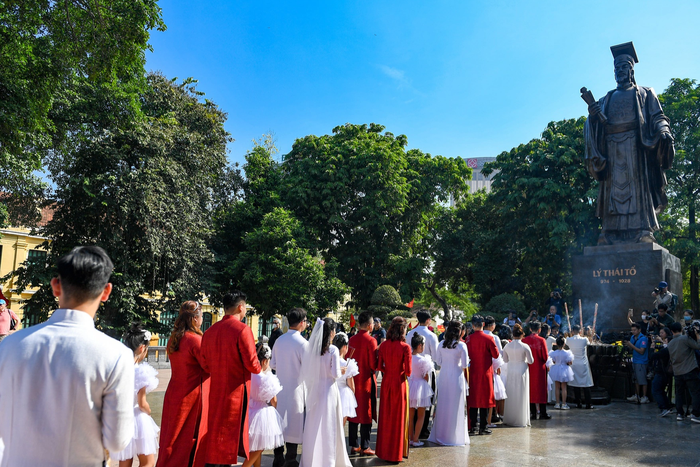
{"x": 628, "y": 147}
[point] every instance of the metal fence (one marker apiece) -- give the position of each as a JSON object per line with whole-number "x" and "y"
{"x": 158, "y": 357}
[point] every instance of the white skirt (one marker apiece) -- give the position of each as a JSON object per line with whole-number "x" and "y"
{"x": 145, "y": 440}
{"x": 265, "y": 429}
{"x": 499, "y": 389}
{"x": 561, "y": 373}
{"x": 348, "y": 403}
{"x": 419, "y": 393}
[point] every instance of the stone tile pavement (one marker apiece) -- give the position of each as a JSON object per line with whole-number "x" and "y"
{"x": 618, "y": 435}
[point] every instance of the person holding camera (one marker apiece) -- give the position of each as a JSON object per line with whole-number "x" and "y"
{"x": 552, "y": 318}
{"x": 512, "y": 319}
{"x": 663, "y": 296}
{"x": 639, "y": 345}
{"x": 644, "y": 323}
{"x": 662, "y": 320}
{"x": 681, "y": 351}
{"x": 532, "y": 316}
{"x": 556, "y": 300}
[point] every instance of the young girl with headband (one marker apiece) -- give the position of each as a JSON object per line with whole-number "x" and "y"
{"x": 144, "y": 444}
{"x": 266, "y": 426}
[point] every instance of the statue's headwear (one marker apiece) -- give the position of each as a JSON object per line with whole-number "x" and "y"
{"x": 625, "y": 52}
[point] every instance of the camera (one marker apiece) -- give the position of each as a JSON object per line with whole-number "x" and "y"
{"x": 556, "y": 294}
{"x": 657, "y": 290}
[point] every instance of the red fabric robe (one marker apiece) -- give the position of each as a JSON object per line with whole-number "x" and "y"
{"x": 538, "y": 369}
{"x": 363, "y": 348}
{"x": 185, "y": 406}
{"x": 392, "y": 431}
{"x": 482, "y": 349}
{"x": 228, "y": 354}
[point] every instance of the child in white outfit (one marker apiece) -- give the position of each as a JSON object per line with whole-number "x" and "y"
{"x": 561, "y": 372}
{"x": 419, "y": 390}
{"x": 144, "y": 444}
{"x": 266, "y": 428}
{"x": 346, "y": 383}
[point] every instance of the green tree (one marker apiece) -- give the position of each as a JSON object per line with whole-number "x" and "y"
{"x": 145, "y": 193}
{"x": 681, "y": 103}
{"x": 43, "y": 46}
{"x": 384, "y": 300}
{"x": 367, "y": 202}
{"x": 277, "y": 273}
{"x": 544, "y": 202}
{"x": 248, "y": 199}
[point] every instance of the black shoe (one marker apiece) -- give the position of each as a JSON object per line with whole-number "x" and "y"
{"x": 291, "y": 463}
{"x": 485, "y": 431}
{"x": 496, "y": 419}
{"x": 545, "y": 416}
{"x": 278, "y": 461}
{"x": 589, "y": 407}
{"x": 473, "y": 432}
{"x": 533, "y": 417}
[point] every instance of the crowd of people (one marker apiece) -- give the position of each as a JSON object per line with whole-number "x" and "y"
{"x": 77, "y": 393}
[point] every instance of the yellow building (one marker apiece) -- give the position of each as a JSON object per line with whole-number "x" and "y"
{"x": 17, "y": 245}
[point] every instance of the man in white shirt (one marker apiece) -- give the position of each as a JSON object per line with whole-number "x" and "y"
{"x": 430, "y": 349}
{"x": 67, "y": 389}
{"x": 287, "y": 355}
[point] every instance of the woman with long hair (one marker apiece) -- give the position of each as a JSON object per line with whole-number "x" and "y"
{"x": 517, "y": 356}
{"x": 324, "y": 437}
{"x": 395, "y": 364}
{"x": 185, "y": 406}
{"x": 450, "y": 424}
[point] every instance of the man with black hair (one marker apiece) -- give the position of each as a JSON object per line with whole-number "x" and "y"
{"x": 639, "y": 346}
{"x": 681, "y": 350}
{"x": 286, "y": 359}
{"x": 538, "y": 372}
{"x": 67, "y": 389}
{"x": 663, "y": 320}
{"x": 363, "y": 348}
{"x": 482, "y": 350}
{"x": 429, "y": 349}
{"x": 229, "y": 356}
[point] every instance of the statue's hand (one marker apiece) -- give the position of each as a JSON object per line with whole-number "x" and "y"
{"x": 667, "y": 136}
{"x": 594, "y": 109}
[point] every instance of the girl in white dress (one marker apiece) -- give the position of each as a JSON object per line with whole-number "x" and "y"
{"x": 419, "y": 391}
{"x": 561, "y": 372}
{"x": 266, "y": 427}
{"x": 324, "y": 437}
{"x": 450, "y": 423}
{"x": 144, "y": 444}
{"x": 517, "y": 357}
{"x": 346, "y": 384}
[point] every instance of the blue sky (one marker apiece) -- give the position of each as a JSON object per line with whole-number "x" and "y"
{"x": 460, "y": 78}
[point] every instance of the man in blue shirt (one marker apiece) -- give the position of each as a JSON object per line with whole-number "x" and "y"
{"x": 639, "y": 345}
{"x": 552, "y": 317}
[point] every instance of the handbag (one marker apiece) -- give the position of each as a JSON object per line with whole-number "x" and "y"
{"x": 13, "y": 322}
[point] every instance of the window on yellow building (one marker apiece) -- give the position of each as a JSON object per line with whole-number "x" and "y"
{"x": 36, "y": 257}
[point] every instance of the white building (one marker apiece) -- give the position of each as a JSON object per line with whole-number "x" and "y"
{"x": 479, "y": 180}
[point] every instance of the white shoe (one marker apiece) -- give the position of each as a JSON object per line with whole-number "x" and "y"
{"x": 633, "y": 398}
{"x": 565, "y": 407}
{"x": 557, "y": 406}
{"x": 416, "y": 444}
{"x": 644, "y": 400}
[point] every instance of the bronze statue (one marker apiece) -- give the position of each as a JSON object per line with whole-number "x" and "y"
{"x": 628, "y": 147}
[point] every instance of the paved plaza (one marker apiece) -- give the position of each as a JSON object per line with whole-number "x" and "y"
{"x": 619, "y": 434}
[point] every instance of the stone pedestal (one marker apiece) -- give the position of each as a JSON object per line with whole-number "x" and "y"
{"x": 620, "y": 277}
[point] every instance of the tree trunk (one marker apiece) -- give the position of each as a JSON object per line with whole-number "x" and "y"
{"x": 441, "y": 301}
{"x": 694, "y": 286}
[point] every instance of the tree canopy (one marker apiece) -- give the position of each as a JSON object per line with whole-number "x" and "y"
{"x": 143, "y": 192}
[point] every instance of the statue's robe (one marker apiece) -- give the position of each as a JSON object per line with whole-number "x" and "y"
{"x": 628, "y": 157}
